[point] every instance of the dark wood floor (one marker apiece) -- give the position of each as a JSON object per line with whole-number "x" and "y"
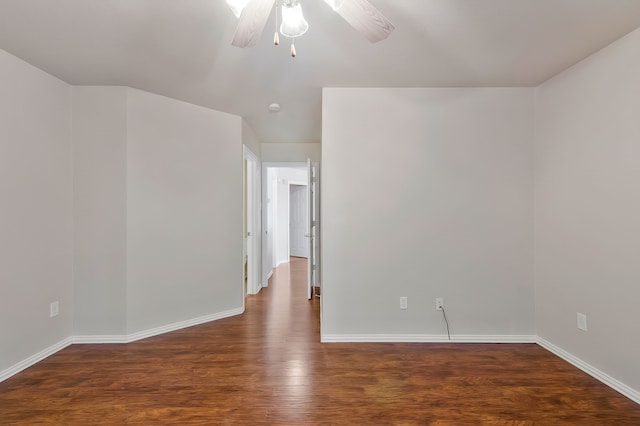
{"x": 268, "y": 367}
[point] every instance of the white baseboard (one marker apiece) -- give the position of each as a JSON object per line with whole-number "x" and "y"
{"x": 615, "y": 384}
{"x": 266, "y": 278}
{"x": 426, "y": 338}
{"x": 33, "y": 359}
{"x": 258, "y": 288}
{"x": 281, "y": 262}
{"x": 92, "y": 339}
{"x": 182, "y": 324}
{"x": 100, "y": 338}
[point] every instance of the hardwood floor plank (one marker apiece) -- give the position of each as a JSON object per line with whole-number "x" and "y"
{"x": 268, "y": 366}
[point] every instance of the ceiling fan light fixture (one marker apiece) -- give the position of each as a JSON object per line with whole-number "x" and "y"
{"x": 237, "y": 6}
{"x": 335, "y": 4}
{"x": 293, "y": 22}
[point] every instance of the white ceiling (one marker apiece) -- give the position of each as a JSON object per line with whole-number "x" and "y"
{"x": 181, "y": 49}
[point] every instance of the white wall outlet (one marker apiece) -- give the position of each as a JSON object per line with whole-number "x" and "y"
{"x": 582, "y": 322}
{"x": 439, "y": 303}
{"x": 54, "y": 309}
{"x": 403, "y": 302}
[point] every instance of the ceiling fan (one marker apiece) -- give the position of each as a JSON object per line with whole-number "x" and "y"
{"x": 253, "y": 15}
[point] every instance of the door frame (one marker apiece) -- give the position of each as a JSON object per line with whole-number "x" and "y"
{"x": 314, "y": 230}
{"x": 265, "y": 167}
{"x": 252, "y": 212}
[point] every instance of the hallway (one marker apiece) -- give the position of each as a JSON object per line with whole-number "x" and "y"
{"x": 268, "y": 366}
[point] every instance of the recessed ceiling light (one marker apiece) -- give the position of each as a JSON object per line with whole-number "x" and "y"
{"x": 274, "y": 107}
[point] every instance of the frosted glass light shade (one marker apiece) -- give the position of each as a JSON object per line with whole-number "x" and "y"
{"x": 293, "y": 22}
{"x": 237, "y": 6}
{"x": 335, "y": 4}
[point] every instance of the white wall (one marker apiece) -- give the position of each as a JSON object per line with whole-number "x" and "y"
{"x": 100, "y": 191}
{"x": 127, "y": 201}
{"x": 184, "y": 211}
{"x": 287, "y": 152}
{"x": 155, "y": 211}
{"x": 250, "y": 139}
{"x": 587, "y": 209}
{"x": 126, "y": 207}
{"x": 297, "y": 175}
{"x": 36, "y": 217}
{"x": 440, "y": 205}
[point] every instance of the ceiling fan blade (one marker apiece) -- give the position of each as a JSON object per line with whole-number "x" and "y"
{"x": 252, "y": 21}
{"x": 366, "y": 19}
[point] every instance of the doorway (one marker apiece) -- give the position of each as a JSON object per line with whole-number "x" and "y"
{"x": 290, "y": 218}
{"x": 252, "y": 255}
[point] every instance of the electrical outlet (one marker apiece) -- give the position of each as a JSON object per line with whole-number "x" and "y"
{"x": 439, "y": 303}
{"x": 54, "y": 309}
{"x": 582, "y": 322}
{"x": 403, "y": 302}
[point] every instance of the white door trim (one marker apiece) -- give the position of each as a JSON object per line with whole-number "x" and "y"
{"x": 253, "y": 213}
{"x": 266, "y": 273}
